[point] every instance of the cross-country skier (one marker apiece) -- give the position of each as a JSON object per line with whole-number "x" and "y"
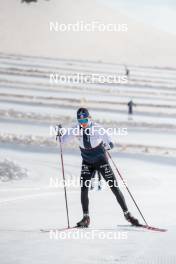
{"x": 93, "y": 145}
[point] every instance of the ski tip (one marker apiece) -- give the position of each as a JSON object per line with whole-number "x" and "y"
{"x": 152, "y": 228}
{"x": 148, "y": 227}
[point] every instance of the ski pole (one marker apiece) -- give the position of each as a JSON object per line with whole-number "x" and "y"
{"x": 127, "y": 187}
{"x": 63, "y": 174}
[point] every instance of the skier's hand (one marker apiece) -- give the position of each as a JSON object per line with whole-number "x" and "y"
{"x": 58, "y": 129}
{"x": 108, "y": 146}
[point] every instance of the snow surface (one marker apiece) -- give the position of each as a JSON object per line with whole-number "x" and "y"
{"x": 146, "y": 157}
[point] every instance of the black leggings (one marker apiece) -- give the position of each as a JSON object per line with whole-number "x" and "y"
{"x": 104, "y": 168}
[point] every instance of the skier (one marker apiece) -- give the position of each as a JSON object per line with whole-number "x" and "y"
{"x": 93, "y": 145}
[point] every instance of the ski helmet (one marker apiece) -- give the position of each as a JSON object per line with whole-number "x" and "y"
{"x": 82, "y": 113}
{"x": 83, "y": 117}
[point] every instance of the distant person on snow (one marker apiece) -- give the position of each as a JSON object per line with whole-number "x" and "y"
{"x": 28, "y": 1}
{"x": 127, "y": 71}
{"x": 130, "y": 107}
{"x": 93, "y": 146}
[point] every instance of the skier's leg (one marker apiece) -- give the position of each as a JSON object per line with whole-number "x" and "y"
{"x": 99, "y": 176}
{"x": 108, "y": 174}
{"x": 86, "y": 175}
{"x": 99, "y": 181}
{"x": 93, "y": 180}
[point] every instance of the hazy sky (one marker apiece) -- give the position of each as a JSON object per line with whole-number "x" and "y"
{"x": 160, "y": 14}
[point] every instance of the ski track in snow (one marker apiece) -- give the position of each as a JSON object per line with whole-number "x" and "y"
{"x": 29, "y": 104}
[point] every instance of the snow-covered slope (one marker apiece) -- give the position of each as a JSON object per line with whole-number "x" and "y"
{"x": 146, "y": 157}
{"x": 25, "y": 30}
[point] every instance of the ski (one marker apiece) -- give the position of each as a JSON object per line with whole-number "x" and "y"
{"x": 58, "y": 229}
{"x": 78, "y": 228}
{"x": 151, "y": 228}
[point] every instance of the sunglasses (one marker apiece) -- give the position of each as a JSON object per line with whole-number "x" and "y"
{"x": 83, "y": 120}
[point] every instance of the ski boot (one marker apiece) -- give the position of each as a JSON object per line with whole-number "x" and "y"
{"x": 131, "y": 219}
{"x": 84, "y": 223}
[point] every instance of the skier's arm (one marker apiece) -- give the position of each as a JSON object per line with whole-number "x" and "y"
{"x": 107, "y": 142}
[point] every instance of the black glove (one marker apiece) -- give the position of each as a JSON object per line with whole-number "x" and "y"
{"x": 108, "y": 146}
